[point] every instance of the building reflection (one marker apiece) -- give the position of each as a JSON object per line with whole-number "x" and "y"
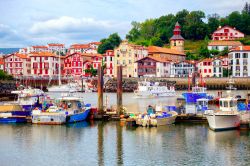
{"x": 100, "y": 144}
{"x": 119, "y": 143}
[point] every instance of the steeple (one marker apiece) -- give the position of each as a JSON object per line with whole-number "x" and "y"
{"x": 177, "y": 41}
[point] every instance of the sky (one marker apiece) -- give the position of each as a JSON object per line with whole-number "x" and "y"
{"x": 38, "y": 22}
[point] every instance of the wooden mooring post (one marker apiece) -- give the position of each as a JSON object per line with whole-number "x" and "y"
{"x": 100, "y": 90}
{"x": 119, "y": 89}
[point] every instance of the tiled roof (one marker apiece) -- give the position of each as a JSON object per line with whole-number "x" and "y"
{"x": 40, "y": 47}
{"x": 43, "y": 54}
{"x": 92, "y": 55}
{"x": 224, "y": 43}
{"x": 55, "y": 44}
{"x": 96, "y": 43}
{"x": 154, "y": 49}
{"x": 206, "y": 60}
{"x": 242, "y": 48}
{"x": 79, "y": 46}
{"x": 154, "y": 58}
{"x": 22, "y": 56}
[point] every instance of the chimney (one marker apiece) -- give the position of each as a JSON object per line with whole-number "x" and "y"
{"x": 240, "y": 48}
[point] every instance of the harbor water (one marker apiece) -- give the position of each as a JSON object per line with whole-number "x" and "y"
{"x": 112, "y": 143}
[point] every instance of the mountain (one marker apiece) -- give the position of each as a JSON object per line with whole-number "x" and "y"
{"x": 8, "y": 50}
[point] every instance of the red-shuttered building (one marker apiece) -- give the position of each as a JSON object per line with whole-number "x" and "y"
{"x": 44, "y": 64}
{"x": 75, "y": 64}
{"x": 17, "y": 64}
{"x": 108, "y": 59}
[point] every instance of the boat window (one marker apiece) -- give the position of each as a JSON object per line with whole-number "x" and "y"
{"x": 221, "y": 103}
{"x": 225, "y": 103}
{"x": 232, "y": 103}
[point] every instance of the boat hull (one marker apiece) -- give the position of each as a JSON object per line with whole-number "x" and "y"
{"x": 165, "y": 121}
{"x": 78, "y": 117}
{"x": 223, "y": 122}
{"x": 49, "y": 119}
{"x": 13, "y": 120}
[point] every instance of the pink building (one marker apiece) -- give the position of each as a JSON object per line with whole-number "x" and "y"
{"x": 227, "y": 33}
{"x": 44, "y": 64}
{"x": 108, "y": 59}
{"x": 75, "y": 64}
{"x": 17, "y": 64}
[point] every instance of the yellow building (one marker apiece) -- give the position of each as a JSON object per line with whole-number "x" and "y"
{"x": 126, "y": 54}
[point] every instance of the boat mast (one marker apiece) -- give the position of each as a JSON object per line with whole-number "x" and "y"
{"x": 59, "y": 75}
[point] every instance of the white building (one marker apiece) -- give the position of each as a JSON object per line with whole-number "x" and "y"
{"x": 217, "y": 67}
{"x": 221, "y": 45}
{"x": 227, "y": 33}
{"x": 182, "y": 69}
{"x": 239, "y": 59}
{"x": 90, "y": 48}
{"x": 56, "y": 47}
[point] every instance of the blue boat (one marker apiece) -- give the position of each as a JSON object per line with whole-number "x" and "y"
{"x": 20, "y": 110}
{"x": 196, "y": 100}
{"x": 75, "y": 108}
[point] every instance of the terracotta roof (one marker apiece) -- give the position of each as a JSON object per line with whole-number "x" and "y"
{"x": 242, "y": 48}
{"x": 1, "y": 61}
{"x": 206, "y": 60}
{"x": 22, "y": 56}
{"x": 154, "y": 49}
{"x": 224, "y": 43}
{"x": 96, "y": 43}
{"x": 40, "y": 47}
{"x": 154, "y": 58}
{"x": 55, "y": 44}
{"x": 227, "y": 27}
{"x": 79, "y": 46}
{"x": 92, "y": 55}
{"x": 43, "y": 54}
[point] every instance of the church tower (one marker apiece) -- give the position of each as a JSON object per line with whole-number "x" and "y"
{"x": 177, "y": 41}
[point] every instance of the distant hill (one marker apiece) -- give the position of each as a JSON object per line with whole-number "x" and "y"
{"x": 8, "y": 50}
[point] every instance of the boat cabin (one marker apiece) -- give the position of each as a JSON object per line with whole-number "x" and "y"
{"x": 228, "y": 104}
{"x": 71, "y": 104}
{"x": 202, "y": 104}
{"x": 198, "y": 89}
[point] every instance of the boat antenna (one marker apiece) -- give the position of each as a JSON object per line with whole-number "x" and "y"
{"x": 59, "y": 74}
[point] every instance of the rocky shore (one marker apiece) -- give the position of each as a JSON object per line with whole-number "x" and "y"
{"x": 5, "y": 90}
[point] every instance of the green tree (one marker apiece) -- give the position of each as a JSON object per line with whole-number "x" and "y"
{"x": 110, "y": 43}
{"x": 213, "y": 22}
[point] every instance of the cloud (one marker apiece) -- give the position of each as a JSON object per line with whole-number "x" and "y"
{"x": 71, "y": 25}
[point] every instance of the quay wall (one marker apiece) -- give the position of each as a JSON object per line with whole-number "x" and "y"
{"x": 129, "y": 84}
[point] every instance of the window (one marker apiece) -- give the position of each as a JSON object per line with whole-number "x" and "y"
{"x": 237, "y": 61}
{"x": 46, "y": 58}
{"x": 110, "y": 58}
{"x": 237, "y": 55}
{"x": 215, "y": 69}
{"x": 244, "y": 55}
{"x": 149, "y": 63}
{"x": 210, "y": 71}
{"x": 205, "y": 70}
{"x": 46, "y": 71}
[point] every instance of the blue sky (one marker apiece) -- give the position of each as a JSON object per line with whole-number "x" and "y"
{"x": 36, "y": 22}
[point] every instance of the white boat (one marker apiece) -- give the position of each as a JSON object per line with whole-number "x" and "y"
{"x": 156, "y": 117}
{"x": 52, "y": 116}
{"x": 227, "y": 117}
{"x": 148, "y": 90}
{"x": 70, "y": 87}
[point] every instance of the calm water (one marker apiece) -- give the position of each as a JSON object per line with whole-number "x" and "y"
{"x": 113, "y": 143}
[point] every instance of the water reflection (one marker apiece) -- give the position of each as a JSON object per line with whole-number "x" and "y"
{"x": 112, "y": 143}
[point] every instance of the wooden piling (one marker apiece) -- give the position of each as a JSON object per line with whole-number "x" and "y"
{"x": 119, "y": 89}
{"x": 100, "y": 90}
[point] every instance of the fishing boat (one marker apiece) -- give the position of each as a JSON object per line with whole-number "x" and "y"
{"x": 156, "y": 117}
{"x": 52, "y": 116}
{"x": 227, "y": 117}
{"x": 148, "y": 90}
{"x": 75, "y": 108}
{"x": 20, "y": 110}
